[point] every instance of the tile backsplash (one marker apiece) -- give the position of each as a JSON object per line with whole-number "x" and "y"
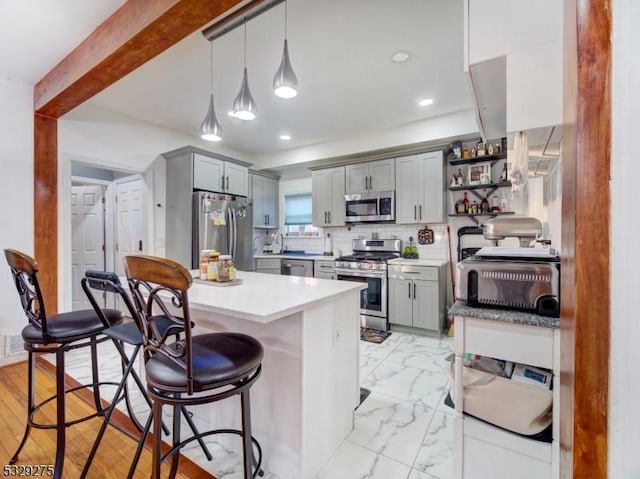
{"x": 341, "y": 238}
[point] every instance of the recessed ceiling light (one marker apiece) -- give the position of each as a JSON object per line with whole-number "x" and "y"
{"x": 425, "y": 102}
{"x": 400, "y": 57}
{"x": 285, "y": 137}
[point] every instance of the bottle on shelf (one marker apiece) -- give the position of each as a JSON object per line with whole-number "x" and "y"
{"x": 484, "y": 204}
{"x": 495, "y": 204}
{"x": 504, "y": 204}
{"x": 459, "y": 178}
{"x": 459, "y": 209}
{"x": 474, "y": 209}
{"x": 504, "y": 176}
{"x": 465, "y": 202}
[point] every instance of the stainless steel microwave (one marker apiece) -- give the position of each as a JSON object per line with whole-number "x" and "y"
{"x": 370, "y": 207}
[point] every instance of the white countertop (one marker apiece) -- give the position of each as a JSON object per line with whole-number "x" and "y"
{"x": 420, "y": 262}
{"x": 318, "y": 257}
{"x": 265, "y": 297}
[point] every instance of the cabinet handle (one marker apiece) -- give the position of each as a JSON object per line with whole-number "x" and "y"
{"x": 414, "y": 290}
{"x": 409, "y": 284}
{"x": 415, "y": 215}
{"x": 222, "y": 181}
{"x": 227, "y": 181}
{"x": 371, "y": 182}
{"x": 325, "y": 217}
{"x": 420, "y": 211}
{"x": 329, "y": 216}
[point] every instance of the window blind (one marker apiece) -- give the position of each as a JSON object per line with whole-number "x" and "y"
{"x": 297, "y": 209}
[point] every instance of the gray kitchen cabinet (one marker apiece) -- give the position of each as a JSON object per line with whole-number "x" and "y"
{"x": 328, "y": 197}
{"x": 268, "y": 265}
{"x": 222, "y": 176}
{"x": 417, "y": 296}
{"x": 324, "y": 269}
{"x": 370, "y": 176}
{"x": 264, "y": 191}
{"x": 420, "y": 188}
{"x": 188, "y": 169}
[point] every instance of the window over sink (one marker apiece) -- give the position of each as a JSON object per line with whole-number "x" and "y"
{"x": 298, "y": 216}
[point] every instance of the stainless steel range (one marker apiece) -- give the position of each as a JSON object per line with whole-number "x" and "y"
{"x": 368, "y": 264}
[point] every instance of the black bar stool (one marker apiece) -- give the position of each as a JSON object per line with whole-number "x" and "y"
{"x": 129, "y": 332}
{"x": 56, "y": 334}
{"x": 194, "y": 370}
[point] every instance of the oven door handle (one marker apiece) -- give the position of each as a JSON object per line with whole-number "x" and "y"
{"x": 361, "y": 274}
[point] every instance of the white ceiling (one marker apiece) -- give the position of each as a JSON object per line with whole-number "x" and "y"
{"x": 340, "y": 50}
{"x": 37, "y": 34}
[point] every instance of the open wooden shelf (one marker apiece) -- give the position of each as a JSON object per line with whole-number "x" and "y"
{"x": 477, "y": 159}
{"x": 502, "y": 184}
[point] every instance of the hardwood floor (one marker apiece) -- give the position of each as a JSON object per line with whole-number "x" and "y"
{"x": 116, "y": 450}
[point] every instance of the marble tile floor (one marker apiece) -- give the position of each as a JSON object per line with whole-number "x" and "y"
{"x": 401, "y": 431}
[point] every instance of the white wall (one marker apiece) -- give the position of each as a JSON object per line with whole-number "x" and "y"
{"x": 624, "y": 379}
{"x": 497, "y": 27}
{"x": 432, "y": 129}
{"x": 16, "y": 192}
{"x": 122, "y": 143}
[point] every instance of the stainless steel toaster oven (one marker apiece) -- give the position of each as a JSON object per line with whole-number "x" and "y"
{"x": 525, "y": 279}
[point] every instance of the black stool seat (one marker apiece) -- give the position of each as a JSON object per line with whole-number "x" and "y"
{"x": 129, "y": 332}
{"x": 218, "y": 359}
{"x": 72, "y": 326}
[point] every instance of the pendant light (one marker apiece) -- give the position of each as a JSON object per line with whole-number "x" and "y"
{"x": 244, "y": 106}
{"x": 210, "y": 129}
{"x": 285, "y": 82}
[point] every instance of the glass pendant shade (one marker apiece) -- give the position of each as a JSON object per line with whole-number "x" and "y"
{"x": 244, "y": 106}
{"x": 285, "y": 82}
{"x": 210, "y": 129}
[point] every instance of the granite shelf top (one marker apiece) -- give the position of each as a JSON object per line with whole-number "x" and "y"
{"x": 504, "y": 315}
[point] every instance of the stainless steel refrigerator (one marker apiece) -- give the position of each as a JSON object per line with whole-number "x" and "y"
{"x": 224, "y": 223}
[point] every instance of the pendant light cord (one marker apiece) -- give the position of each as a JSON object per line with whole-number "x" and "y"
{"x": 285, "y": 19}
{"x": 211, "y": 66}
{"x": 245, "y": 43}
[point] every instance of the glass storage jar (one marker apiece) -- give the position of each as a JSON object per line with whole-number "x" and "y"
{"x": 226, "y": 270}
{"x": 212, "y": 269}
{"x": 204, "y": 263}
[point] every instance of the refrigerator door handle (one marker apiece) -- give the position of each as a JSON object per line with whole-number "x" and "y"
{"x": 234, "y": 232}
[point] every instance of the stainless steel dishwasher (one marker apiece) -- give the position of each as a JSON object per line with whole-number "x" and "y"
{"x": 297, "y": 267}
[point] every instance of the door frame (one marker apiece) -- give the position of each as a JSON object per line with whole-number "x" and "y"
{"x": 65, "y": 180}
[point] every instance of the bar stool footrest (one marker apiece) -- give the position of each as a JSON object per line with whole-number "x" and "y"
{"x": 257, "y": 463}
{"x": 33, "y": 423}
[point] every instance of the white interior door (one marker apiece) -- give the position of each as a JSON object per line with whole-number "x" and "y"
{"x": 87, "y": 238}
{"x": 130, "y": 220}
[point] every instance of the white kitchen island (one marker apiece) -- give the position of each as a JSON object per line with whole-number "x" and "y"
{"x": 302, "y": 405}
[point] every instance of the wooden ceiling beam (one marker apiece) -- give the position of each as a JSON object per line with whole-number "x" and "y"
{"x": 137, "y": 32}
